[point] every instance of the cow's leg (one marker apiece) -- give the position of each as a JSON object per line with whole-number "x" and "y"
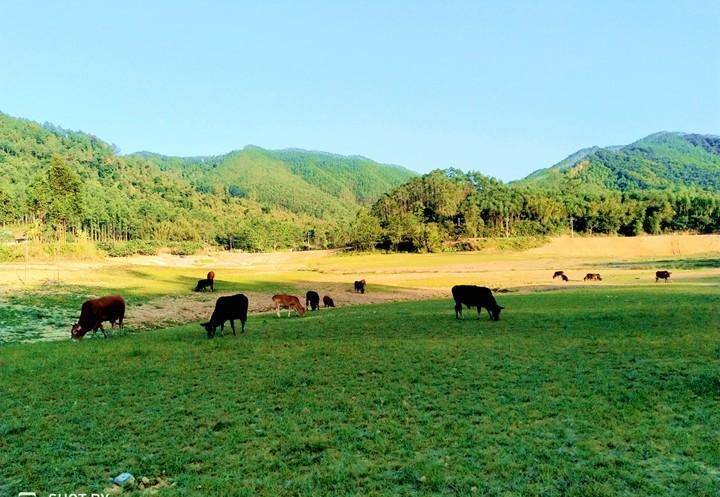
{"x": 232, "y": 325}
{"x": 242, "y": 323}
{"x": 100, "y": 327}
{"x": 277, "y": 309}
{"x": 458, "y": 310}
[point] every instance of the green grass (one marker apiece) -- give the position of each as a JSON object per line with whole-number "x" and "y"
{"x": 576, "y": 393}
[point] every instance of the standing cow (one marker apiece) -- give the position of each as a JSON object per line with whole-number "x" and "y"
{"x": 359, "y": 286}
{"x": 475, "y": 296}
{"x": 227, "y": 309}
{"x": 312, "y": 300}
{"x": 328, "y": 301}
{"x": 592, "y": 277}
{"x": 662, "y": 275}
{"x": 94, "y": 312}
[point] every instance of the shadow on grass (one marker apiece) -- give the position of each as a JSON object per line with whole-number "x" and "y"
{"x": 686, "y": 263}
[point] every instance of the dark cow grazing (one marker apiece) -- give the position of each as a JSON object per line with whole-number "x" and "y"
{"x": 95, "y": 311}
{"x": 592, "y": 277}
{"x": 475, "y": 296}
{"x": 227, "y": 309}
{"x": 564, "y": 278}
{"x": 558, "y": 274}
{"x": 205, "y": 284}
{"x": 211, "y": 275}
{"x": 312, "y": 300}
{"x": 328, "y": 302}
{"x": 662, "y": 275}
{"x": 289, "y": 302}
{"x": 359, "y": 286}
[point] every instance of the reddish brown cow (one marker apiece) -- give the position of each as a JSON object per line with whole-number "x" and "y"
{"x": 211, "y": 275}
{"x": 359, "y": 286}
{"x": 95, "y": 311}
{"x": 289, "y": 302}
{"x": 592, "y": 277}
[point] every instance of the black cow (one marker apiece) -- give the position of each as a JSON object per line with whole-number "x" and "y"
{"x": 558, "y": 274}
{"x": 475, "y": 296}
{"x": 359, "y": 286}
{"x": 328, "y": 302}
{"x": 592, "y": 277}
{"x": 564, "y": 278}
{"x": 312, "y": 300}
{"x": 227, "y": 309}
{"x": 203, "y": 284}
{"x": 662, "y": 275}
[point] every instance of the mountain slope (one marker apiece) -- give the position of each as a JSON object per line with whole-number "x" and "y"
{"x": 660, "y": 161}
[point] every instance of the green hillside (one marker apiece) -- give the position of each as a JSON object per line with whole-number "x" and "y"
{"x": 665, "y": 161}
{"x": 76, "y": 184}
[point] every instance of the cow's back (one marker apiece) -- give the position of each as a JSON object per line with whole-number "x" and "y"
{"x": 231, "y": 307}
{"x": 102, "y": 309}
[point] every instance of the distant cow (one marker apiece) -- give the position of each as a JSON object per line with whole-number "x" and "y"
{"x": 289, "y": 302}
{"x": 359, "y": 286}
{"x": 228, "y": 309}
{"x": 662, "y": 275}
{"x": 328, "y": 302}
{"x": 475, "y": 296}
{"x": 312, "y": 300}
{"x": 592, "y": 277}
{"x": 558, "y": 274}
{"x": 564, "y": 278}
{"x": 95, "y": 311}
{"x": 211, "y": 275}
{"x": 205, "y": 284}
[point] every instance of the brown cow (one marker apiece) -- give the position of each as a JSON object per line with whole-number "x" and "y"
{"x": 592, "y": 277}
{"x": 211, "y": 275}
{"x": 289, "y": 302}
{"x": 95, "y": 311}
{"x": 558, "y": 274}
{"x": 564, "y": 278}
{"x": 359, "y": 286}
{"x": 662, "y": 275}
{"x": 328, "y": 302}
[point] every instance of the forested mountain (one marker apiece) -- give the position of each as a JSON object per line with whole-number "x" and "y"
{"x": 64, "y": 182}
{"x": 662, "y": 161}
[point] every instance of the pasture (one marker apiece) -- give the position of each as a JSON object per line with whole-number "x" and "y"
{"x": 593, "y": 391}
{"x": 40, "y": 301}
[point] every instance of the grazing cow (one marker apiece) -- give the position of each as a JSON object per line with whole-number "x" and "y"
{"x": 211, "y": 275}
{"x": 289, "y": 302}
{"x": 662, "y": 275}
{"x": 359, "y": 286}
{"x": 558, "y": 274}
{"x": 312, "y": 300}
{"x": 204, "y": 284}
{"x": 475, "y": 296}
{"x": 592, "y": 277}
{"x": 95, "y": 311}
{"x": 227, "y": 309}
{"x": 328, "y": 302}
{"x": 564, "y": 278}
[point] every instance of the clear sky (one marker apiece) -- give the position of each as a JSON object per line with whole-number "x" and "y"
{"x": 503, "y": 87}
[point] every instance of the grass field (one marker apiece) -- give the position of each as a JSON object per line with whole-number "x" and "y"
{"x": 595, "y": 391}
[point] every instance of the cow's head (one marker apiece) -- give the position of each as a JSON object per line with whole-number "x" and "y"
{"x": 209, "y": 328}
{"x": 77, "y": 332}
{"x": 301, "y": 310}
{"x": 495, "y": 313}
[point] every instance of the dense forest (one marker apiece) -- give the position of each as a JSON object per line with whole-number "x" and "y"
{"x": 64, "y": 185}
{"x": 60, "y": 185}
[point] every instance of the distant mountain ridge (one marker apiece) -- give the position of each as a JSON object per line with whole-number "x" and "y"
{"x": 664, "y": 160}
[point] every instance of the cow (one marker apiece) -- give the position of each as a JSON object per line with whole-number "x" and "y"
{"x": 359, "y": 286}
{"x": 475, "y": 296}
{"x": 662, "y": 275}
{"x": 204, "y": 284}
{"x": 558, "y": 274}
{"x": 211, "y": 275}
{"x": 312, "y": 300}
{"x": 564, "y": 278}
{"x": 227, "y": 308}
{"x": 93, "y": 312}
{"x": 289, "y": 302}
{"x": 328, "y": 302}
{"x": 592, "y": 277}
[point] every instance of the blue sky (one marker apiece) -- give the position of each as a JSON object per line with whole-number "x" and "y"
{"x": 499, "y": 87}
